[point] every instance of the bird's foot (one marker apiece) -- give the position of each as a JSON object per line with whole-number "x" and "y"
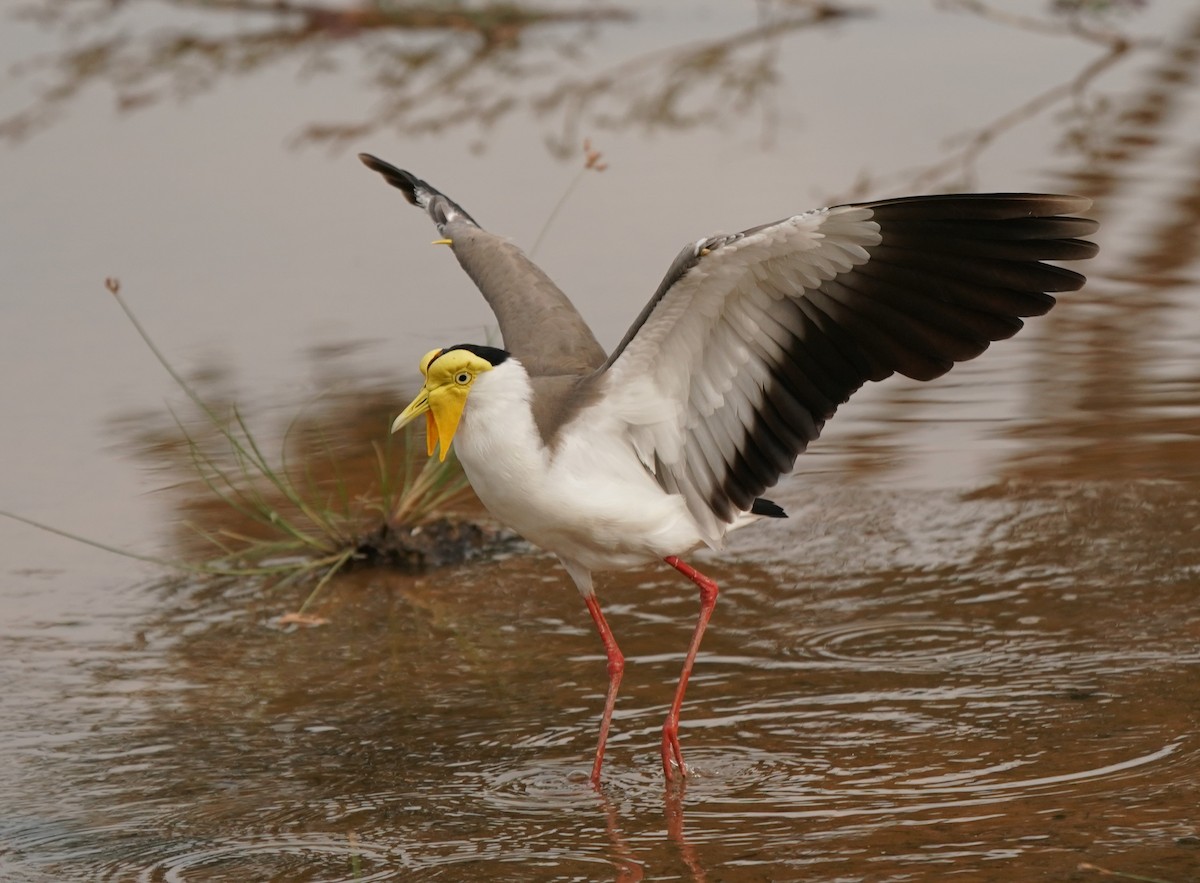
{"x": 671, "y": 752}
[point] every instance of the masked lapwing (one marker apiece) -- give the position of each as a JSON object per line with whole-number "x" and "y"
{"x": 750, "y": 343}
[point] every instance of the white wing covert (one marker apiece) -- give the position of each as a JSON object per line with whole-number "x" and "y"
{"x": 753, "y": 340}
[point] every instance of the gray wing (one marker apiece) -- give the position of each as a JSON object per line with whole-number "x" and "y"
{"x": 540, "y": 326}
{"x": 752, "y": 341}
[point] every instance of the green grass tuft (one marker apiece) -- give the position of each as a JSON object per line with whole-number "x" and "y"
{"x": 265, "y": 516}
{"x": 301, "y": 527}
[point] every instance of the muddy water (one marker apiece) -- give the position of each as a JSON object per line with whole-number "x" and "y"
{"x": 915, "y": 684}
{"x": 972, "y": 652}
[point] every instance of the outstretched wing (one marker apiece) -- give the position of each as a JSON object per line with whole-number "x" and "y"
{"x": 752, "y": 341}
{"x": 540, "y": 326}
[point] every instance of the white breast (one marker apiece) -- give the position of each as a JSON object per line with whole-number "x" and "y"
{"x": 590, "y": 501}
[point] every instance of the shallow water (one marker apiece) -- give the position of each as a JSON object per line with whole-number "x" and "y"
{"x": 972, "y": 651}
{"x": 893, "y": 699}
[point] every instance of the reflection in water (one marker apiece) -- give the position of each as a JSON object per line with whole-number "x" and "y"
{"x": 1114, "y": 390}
{"x": 1077, "y": 100}
{"x": 705, "y": 84}
{"x": 434, "y": 67}
{"x": 438, "y": 68}
{"x": 1119, "y": 398}
{"x": 341, "y": 491}
{"x": 418, "y": 55}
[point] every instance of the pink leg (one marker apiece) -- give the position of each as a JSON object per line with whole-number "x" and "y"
{"x": 708, "y": 600}
{"x": 616, "y": 667}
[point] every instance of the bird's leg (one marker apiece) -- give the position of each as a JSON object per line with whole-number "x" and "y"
{"x": 670, "y": 732}
{"x": 616, "y": 660}
{"x": 616, "y": 667}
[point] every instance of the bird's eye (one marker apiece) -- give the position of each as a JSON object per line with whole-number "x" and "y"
{"x": 462, "y": 377}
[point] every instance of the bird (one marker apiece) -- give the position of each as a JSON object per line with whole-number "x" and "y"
{"x": 748, "y": 346}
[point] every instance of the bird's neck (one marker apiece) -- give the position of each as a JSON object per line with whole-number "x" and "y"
{"x": 498, "y": 419}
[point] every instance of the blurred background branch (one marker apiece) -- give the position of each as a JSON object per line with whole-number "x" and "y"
{"x": 430, "y": 66}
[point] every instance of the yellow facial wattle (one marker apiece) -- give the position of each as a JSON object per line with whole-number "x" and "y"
{"x": 449, "y": 375}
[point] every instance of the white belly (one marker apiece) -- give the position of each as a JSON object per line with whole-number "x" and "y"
{"x": 592, "y": 502}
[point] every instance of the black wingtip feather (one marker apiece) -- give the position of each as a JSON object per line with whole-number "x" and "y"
{"x": 420, "y": 193}
{"x": 979, "y": 206}
{"x": 398, "y": 178}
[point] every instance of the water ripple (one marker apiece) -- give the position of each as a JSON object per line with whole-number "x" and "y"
{"x": 273, "y": 856}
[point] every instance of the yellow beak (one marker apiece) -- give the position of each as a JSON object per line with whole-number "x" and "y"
{"x": 443, "y": 409}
